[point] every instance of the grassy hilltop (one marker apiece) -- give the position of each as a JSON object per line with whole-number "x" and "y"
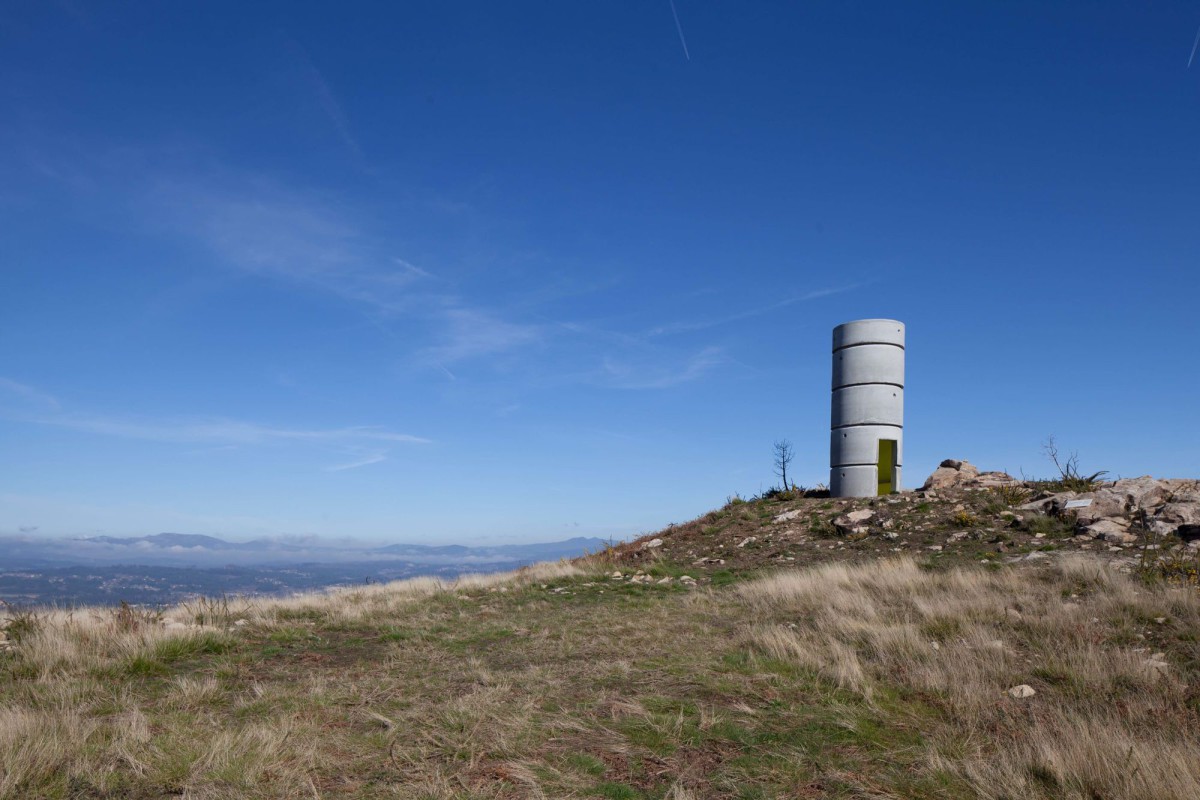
{"x": 951, "y": 648}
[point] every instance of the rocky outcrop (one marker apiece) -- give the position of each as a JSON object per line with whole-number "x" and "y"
{"x": 953, "y": 474}
{"x": 1113, "y": 531}
{"x": 950, "y": 473}
{"x": 1164, "y": 506}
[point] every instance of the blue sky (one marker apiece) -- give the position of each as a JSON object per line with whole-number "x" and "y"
{"x": 520, "y": 271}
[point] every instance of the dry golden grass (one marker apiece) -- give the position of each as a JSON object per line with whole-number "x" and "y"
{"x": 809, "y": 683}
{"x": 1109, "y": 719}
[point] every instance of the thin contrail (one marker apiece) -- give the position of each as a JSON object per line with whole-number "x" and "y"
{"x": 683, "y": 41}
{"x": 1192, "y": 56}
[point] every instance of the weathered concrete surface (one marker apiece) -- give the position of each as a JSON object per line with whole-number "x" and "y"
{"x": 867, "y": 404}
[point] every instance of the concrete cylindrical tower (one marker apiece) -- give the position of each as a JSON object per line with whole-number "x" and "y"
{"x": 866, "y": 444}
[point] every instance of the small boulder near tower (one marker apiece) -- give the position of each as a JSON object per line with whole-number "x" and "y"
{"x": 866, "y": 446}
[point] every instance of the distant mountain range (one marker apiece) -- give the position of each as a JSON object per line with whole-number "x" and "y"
{"x": 191, "y": 550}
{"x": 169, "y": 567}
{"x": 174, "y": 540}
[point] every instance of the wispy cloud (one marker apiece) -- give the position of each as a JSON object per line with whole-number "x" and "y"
{"x": 412, "y": 269}
{"x": 704, "y": 324}
{"x": 471, "y": 333}
{"x": 27, "y": 394}
{"x": 212, "y": 431}
{"x": 315, "y": 240}
{"x": 263, "y": 229}
{"x": 371, "y": 459}
{"x": 326, "y": 99}
{"x": 625, "y": 375}
{"x": 267, "y": 231}
{"x": 222, "y": 431}
{"x": 679, "y": 28}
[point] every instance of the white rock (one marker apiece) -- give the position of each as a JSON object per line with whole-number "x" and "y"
{"x": 650, "y": 545}
{"x": 1111, "y": 530}
{"x": 747, "y": 540}
{"x": 788, "y": 515}
{"x": 1022, "y": 691}
{"x": 850, "y": 523}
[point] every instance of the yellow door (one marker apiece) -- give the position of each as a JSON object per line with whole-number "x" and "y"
{"x": 886, "y": 468}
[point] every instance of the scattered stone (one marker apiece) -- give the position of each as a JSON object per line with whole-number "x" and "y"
{"x": 1111, "y": 530}
{"x": 1022, "y": 691}
{"x": 851, "y": 522}
{"x": 788, "y": 515}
